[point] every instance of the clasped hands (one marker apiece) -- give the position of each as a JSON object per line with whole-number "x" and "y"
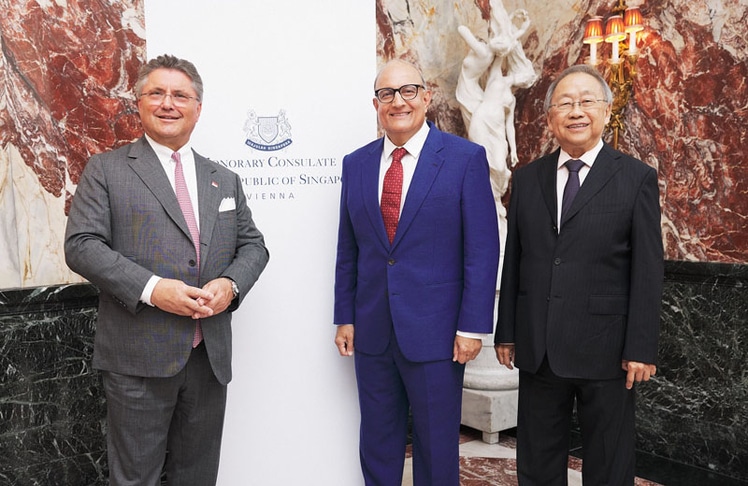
{"x": 177, "y": 297}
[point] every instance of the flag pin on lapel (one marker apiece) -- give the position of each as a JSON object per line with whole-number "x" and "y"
{"x": 214, "y": 183}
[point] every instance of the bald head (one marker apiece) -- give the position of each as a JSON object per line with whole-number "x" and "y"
{"x": 398, "y": 64}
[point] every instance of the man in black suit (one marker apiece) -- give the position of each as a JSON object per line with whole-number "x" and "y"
{"x": 581, "y": 290}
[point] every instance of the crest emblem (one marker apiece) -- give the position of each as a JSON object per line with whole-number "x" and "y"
{"x": 267, "y": 133}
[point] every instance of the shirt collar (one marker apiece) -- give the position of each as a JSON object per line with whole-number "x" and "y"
{"x": 588, "y": 157}
{"x": 413, "y": 146}
{"x": 164, "y": 153}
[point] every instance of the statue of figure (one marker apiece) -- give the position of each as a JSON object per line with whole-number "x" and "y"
{"x": 488, "y": 108}
{"x": 490, "y": 73}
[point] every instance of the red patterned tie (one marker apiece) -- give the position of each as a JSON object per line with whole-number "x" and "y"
{"x": 183, "y": 196}
{"x": 392, "y": 191}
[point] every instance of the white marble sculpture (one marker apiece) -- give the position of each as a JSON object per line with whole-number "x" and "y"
{"x": 490, "y": 73}
{"x": 488, "y": 107}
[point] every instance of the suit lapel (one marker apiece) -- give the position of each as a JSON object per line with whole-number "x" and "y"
{"x": 547, "y": 173}
{"x": 430, "y": 162}
{"x": 208, "y": 196}
{"x": 370, "y": 191}
{"x": 601, "y": 172}
{"x": 146, "y": 165}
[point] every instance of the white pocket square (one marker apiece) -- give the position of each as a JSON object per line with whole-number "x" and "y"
{"x": 227, "y": 204}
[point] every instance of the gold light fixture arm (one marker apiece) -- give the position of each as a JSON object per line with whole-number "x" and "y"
{"x": 620, "y": 31}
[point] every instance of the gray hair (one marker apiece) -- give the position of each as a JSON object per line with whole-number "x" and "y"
{"x": 578, "y": 68}
{"x": 167, "y": 61}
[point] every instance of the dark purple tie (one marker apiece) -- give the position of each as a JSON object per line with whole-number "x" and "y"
{"x": 572, "y": 184}
{"x": 392, "y": 191}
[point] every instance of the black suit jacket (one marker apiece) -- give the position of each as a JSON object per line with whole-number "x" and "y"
{"x": 588, "y": 296}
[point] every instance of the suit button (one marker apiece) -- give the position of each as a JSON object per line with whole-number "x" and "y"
{"x": 192, "y": 263}
{"x": 391, "y": 261}
{"x": 557, "y": 261}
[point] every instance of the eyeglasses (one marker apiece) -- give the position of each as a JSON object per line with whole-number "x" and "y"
{"x": 157, "y": 97}
{"x": 407, "y": 93}
{"x": 584, "y": 105}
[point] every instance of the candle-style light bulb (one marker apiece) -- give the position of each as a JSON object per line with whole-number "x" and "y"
{"x": 593, "y": 35}
{"x": 632, "y": 20}
{"x": 614, "y": 33}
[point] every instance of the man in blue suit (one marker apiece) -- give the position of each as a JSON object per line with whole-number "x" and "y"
{"x": 581, "y": 291}
{"x": 415, "y": 280}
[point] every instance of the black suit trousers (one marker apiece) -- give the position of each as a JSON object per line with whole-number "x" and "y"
{"x": 605, "y": 410}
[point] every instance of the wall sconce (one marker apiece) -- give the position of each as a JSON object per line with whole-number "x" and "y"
{"x": 623, "y": 23}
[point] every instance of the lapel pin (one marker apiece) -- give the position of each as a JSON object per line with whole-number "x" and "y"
{"x": 214, "y": 183}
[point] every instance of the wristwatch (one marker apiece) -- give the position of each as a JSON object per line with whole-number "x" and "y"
{"x": 234, "y": 288}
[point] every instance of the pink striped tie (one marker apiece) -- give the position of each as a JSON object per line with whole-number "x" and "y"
{"x": 183, "y": 196}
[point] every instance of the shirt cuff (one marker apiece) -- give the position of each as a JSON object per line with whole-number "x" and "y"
{"x": 472, "y": 335}
{"x": 145, "y": 297}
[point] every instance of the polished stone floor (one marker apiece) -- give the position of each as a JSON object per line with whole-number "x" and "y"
{"x": 484, "y": 464}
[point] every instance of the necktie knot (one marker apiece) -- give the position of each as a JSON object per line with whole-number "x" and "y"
{"x": 398, "y": 154}
{"x": 574, "y": 165}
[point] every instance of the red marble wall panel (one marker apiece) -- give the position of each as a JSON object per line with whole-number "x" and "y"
{"x": 68, "y": 73}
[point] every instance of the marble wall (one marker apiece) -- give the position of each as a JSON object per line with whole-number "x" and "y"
{"x": 52, "y": 410}
{"x": 695, "y": 410}
{"x": 67, "y": 71}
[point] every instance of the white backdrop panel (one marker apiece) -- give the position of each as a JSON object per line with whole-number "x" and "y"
{"x": 292, "y": 415}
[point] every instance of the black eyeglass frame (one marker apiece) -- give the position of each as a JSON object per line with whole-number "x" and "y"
{"x": 394, "y": 91}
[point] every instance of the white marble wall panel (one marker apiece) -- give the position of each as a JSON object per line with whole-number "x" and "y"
{"x": 39, "y": 229}
{"x": 10, "y": 274}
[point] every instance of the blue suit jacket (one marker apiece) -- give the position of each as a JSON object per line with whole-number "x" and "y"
{"x": 439, "y": 274}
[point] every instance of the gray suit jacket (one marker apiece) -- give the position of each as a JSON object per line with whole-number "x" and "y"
{"x": 125, "y": 225}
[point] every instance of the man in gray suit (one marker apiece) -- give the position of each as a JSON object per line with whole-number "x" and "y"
{"x": 167, "y": 237}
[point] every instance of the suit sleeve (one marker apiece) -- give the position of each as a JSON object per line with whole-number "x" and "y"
{"x": 88, "y": 241}
{"x": 509, "y": 274}
{"x": 251, "y": 255}
{"x": 647, "y": 270}
{"x": 481, "y": 247}
{"x": 346, "y": 272}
